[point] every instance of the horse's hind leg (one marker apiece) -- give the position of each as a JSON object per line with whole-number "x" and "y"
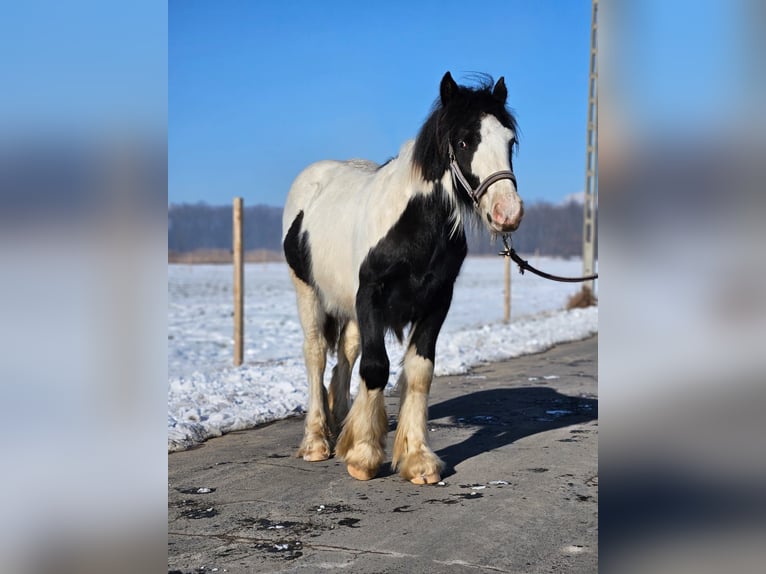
{"x": 316, "y": 436}
{"x": 348, "y": 351}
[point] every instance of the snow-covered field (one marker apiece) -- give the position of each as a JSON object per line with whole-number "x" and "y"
{"x": 208, "y": 397}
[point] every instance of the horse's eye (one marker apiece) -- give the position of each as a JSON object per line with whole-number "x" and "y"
{"x": 461, "y": 144}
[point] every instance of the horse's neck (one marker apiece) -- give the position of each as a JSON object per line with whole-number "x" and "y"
{"x": 414, "y": 179}
{"x": 442, "y": 192}
{"x": 396, "y": 186}
{"x": 440, "y": 195}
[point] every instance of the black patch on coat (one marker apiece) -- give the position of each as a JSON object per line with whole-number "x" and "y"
{"x": 297, "y": 251}
{"x": 298, "y": 256}
{"x": 408, "y": 277}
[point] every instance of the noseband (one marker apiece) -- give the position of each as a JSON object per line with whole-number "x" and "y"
{"x": 478, "y": 193}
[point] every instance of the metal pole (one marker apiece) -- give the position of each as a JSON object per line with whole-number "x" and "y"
{"x": 591, "y": 159}
{"x": 239, "y": 280}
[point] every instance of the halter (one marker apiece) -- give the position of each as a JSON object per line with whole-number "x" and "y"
{"x": 478, "y": 193}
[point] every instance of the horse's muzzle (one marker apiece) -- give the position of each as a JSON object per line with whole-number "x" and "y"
{"x": 506, "y": 218}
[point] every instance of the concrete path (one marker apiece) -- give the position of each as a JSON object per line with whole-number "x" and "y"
{"x": 520, "y": 490}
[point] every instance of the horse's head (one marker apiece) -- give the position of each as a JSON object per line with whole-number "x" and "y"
{"x": 472, "y": 134}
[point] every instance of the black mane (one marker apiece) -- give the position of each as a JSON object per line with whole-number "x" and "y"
{"x": 464, "y": 110}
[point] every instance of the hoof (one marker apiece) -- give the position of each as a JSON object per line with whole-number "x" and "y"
{"x": 315, "y": 451}
{"x": 432, "y": 478}
{"x": 316, "y": 455}
{"x": 421, "y": 466}
{"x": 360, "y": 473}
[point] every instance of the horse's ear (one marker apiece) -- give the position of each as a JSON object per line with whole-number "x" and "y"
{"x": 500, "y": 93}
{"x": 447, "y": 89}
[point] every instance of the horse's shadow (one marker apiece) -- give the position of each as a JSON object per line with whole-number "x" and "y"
{"x": 503, "y": 416}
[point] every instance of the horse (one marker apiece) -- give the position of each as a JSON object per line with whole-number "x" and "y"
{"x": 377, "y": 248}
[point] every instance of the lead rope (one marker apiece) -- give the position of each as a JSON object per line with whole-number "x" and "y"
{"x": 525, "y": 266}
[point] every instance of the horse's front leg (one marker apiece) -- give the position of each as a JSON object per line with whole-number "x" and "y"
{"x": 362, "y": 441}
{"x": 412, "y": 456}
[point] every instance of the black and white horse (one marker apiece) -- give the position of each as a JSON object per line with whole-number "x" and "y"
{"x": 373, "y": 248}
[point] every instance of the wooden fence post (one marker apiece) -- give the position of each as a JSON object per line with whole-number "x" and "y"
{"x": 507, "y": 314}
{"x": 239, "y": 279}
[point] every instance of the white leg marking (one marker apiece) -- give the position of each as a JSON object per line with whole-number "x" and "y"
{"x": 362, "y": 442}
{"x": 412, "y": 456}
{"x": 316, "y": 444}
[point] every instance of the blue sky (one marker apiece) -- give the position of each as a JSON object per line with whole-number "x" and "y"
{"x": 259, "y": 90}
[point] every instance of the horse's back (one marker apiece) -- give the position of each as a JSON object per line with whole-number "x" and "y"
{"x": 326, "y": 182}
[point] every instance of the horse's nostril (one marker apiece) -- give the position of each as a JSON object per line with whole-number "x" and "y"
{"x": 502, "y": 215}
{"x": 504, "y": 218}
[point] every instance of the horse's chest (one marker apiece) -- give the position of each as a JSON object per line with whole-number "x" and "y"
{"x": 411, "y": 272}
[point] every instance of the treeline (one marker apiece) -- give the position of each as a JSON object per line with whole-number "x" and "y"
{"x": 199, "y": 226}
{"x": 547, "y": 229}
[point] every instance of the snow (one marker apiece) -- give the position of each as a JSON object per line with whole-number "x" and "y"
{"x": 208, "y": 397}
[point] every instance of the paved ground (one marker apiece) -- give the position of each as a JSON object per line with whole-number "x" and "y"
{"x": 520, "y": 492}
